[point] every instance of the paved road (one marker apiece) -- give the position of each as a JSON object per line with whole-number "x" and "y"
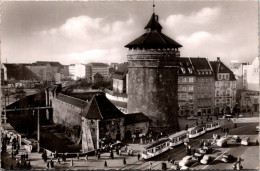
{"x": 179, "y": 152}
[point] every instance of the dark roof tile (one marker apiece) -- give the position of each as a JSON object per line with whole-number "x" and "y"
{"x": 71, "y": 100}
{"x": 134, "y": 118}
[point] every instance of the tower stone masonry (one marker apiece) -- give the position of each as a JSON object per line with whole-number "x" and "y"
{"x": 153, "y": 79}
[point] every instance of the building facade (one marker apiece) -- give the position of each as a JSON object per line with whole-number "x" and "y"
{"x": 93, "y": 68}
{"x": 186, "y": 88}
{"x": 225, "y": 88}
{"x": 248, "y": 101}
{"x": 153, "y": 81}
{"x": 77, "y": 71}
{"x": 204, "y": 87}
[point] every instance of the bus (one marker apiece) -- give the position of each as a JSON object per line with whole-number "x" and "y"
{"x": 196, "y": 131}
{"x": 155, "y": 148}
{"x": 212, "y": 125}
{"x": 179, "y": 138}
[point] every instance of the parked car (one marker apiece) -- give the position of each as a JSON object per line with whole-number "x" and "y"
{"x": 186, "y": 161}
{"x": 175, "y": 166}
{"x": 228, "y": 116}
{"x": 192, "y": 118}
{"x": 227, "y": 157}
{"x": 184, "y": 168}
{"x": 245, "y": 141}
{"x": 241, "y": 116}
{"x": 257, "y": 128}
{"x": 222, "y": 142}
{"x": 206, "y": 159}
{"x": 197, "y": 157}
{"x": 235, "y": 138}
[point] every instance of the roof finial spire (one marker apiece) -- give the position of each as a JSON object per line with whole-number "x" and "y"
{"x": 153, "y": 6}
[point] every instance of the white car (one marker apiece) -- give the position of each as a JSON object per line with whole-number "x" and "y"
{"x": 192, "y": 118}
{"x": 206, "y": 159}
{"x": 241, "y": 115}
{"x": 245, "y": 141}
{"x": 186, "y": 161}
{"x": 257, "y": 128}
{"x": 184, "y": 168}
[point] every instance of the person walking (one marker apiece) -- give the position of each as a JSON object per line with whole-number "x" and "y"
{"x": 99, "y": 156}
{"x": 86, "y": 157}
{"x": 150, "y": 165}
{"x": 71, "y": 162}
{"x": 119, "y": 152}
{"x": 138, "y": 156}
{"x": 124, "y": 161}
{"x": 48, "y": 165}
{"x": 105, "y": 164}
{"x": 58, "y": 160}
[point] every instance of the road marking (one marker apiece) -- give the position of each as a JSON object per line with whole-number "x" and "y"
{"x": 216, "y": 158}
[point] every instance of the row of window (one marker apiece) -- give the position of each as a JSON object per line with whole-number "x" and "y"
{"x": 204, "y": 103}
{"x": 185, "y": 79}
{"x": 224, "y": 93}
{"x": 223, "y": 76}
{"x": 185, "y": 88}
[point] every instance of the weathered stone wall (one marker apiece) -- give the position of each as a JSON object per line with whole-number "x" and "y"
{"x": 118, "y": 85}
{"x": 67, "y": 115}
{"x": 90, "y": 134}
{"x": 153, "y": 85}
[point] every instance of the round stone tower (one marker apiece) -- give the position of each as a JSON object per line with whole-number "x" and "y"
{"x": 152, "y": 76}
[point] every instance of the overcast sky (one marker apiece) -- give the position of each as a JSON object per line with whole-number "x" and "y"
{"x": 83, "y": 32}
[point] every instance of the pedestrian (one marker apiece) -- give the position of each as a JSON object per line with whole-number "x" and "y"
{"x": 256, "y": 142}
{"x": 187, "y": 126}
{"x": 227, "y": 130}
{"x": 26, "y": 155}
{"x": 194, "y": 151}
{"x": 52, "y": 164}
{"x": 48, "y": 165}
{"x": 235, "y": 125}
{"x": 138, "y": 156}
{"x": 105, "y": 164}
{"x": 11, "y": 167}
{"x": 169, "y": 158}
{"x": 2, "y": 164}
{"x": 29, "y": 164}
{"x": 119, "y": 152}
{"x": 151, "y": 164}
{"x": 71, "y": 162}
{"x": 58, "y": 160}
{"x": 86, "y": 157}
{"x": 124, "y": 161}
{"x": 99, "y": 156}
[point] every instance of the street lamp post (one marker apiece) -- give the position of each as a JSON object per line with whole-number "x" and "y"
{"x": 38, "y": 130}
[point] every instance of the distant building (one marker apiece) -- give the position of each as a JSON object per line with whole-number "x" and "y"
{"x": 248, "y": 101}
{"x": 225, "y": 87}
{"x": 45, "y": 70}
{"x": 186, "y": 88}
{"x": 93, "y": 68}
{"x": 77, "y": 71}
{"x": 120, "y": 79}
{"x": 204, "y": 89}
{"x": 3, "y": 74}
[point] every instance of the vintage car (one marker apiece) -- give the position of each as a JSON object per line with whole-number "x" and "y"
{"x": 235, "y": 138}
{"x": 186, "y": 161}
{"x": 227, "y": 157}
{"x": 245, "y": 141}
{"x": 206, "y": 159}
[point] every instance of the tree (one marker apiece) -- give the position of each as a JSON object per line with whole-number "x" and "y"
{"x": 19, "y": 93}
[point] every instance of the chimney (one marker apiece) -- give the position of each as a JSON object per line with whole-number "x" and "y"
{"x": 156, "y": 18}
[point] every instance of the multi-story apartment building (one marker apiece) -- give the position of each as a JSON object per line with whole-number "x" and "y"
{"x": 77, "y": 71}
{"x": 204, "y": 86}
{"x": 225, "y": 87}
{"x": 46, "y": 70}
{"x": 93, "y": 68}
{"x": 186, "y": 87}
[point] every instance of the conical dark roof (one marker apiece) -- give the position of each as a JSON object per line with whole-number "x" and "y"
{"x": 153, "y": 38}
